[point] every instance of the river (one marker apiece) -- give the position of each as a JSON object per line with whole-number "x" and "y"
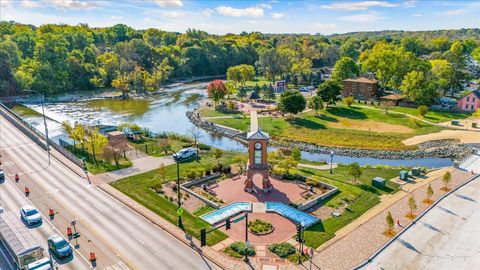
{"x": 165, "y": 112}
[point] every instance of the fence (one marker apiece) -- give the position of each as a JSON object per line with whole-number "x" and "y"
{"x": 35, "y": 135}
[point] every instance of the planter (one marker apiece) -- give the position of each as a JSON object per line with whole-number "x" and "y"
{"x": 261, "y": 233}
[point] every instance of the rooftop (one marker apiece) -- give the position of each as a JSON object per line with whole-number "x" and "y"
{"x": 394, "y": 97}
{"x": 361, "y": 79}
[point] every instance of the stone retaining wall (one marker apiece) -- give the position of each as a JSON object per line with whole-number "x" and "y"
{"x": 332, "y": 190}
{"x": 186, "y": 187}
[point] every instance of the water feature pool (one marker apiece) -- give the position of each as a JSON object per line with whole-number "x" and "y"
{"x": 227, "y": 211}
{"x": 291, "y": 213}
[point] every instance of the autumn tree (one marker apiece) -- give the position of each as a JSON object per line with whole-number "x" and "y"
{"x": 429, "y": 193}
{"x": 390, "y": 223}
{"x": 413, "y": 206}
{"x": 447, "y": 177}
{"x": 96, "y": 140}
{"x": 216, "y": 91}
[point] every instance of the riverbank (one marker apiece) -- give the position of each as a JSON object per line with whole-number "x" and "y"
{"x": 432, "y": 149}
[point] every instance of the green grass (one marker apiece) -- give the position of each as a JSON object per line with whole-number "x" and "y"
{"x": 138, "y": 188}
{"x": 150, "y": 146}
{"x": 212, "y": 112}
{"x": 105, "y": 166}
{"x": 432, "y": 116}
{"x": 321, "y": 130}
{"x": 202, "y": 210}
{"x": 359, "y": 196}
{"x": 23, "y": 110}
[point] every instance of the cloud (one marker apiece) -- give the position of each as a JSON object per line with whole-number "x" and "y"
{"x": 321, "y": 27}
{"x": 173, "y": 14}
{"x": 169, "y": 3}
{"x": 6, "y": 3}
{"x": 72, "y": 4}
{"x": 207, "y": 12}
{"x": 115, "y": 18}
{"x": 410, "y": 3}
{"x": 29, "y": 4}
{"x": 277, "y": 16}
{"x": 417, "y": 15}
{"x": 363, "y": 18}
{"x": 255, "y": 12}
{"x": 364, "y": 5}
{"x": 265, "y": 6}
{"x": 453, "y": 12}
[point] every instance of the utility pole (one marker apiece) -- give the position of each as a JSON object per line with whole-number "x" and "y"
{"x": 42, "y": 100}
{"x": 246, "y": 238}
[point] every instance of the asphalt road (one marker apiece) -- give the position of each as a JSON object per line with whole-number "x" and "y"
{"x": 138, "y": 243}
{"x": 447, "y": 237}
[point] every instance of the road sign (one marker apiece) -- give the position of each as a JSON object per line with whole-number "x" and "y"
{"x": 239, "y": 219}
{"x": 180, "y": 212}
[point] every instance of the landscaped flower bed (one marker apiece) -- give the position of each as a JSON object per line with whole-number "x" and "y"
{"x": 260, "y": 227}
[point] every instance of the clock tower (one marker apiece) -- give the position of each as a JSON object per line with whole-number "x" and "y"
{"x": 257, "y": 155}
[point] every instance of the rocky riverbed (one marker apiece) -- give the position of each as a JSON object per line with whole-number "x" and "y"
{"x": 432, "y": 149}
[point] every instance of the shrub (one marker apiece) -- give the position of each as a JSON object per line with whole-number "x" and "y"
{"x": 312, "y": 183}
{"x": 349, "y": 101}
{"x": 204, "y": 147}
{"x": 187, "y": 145}
{"x": 239, "y": 247}
{"x": 422, "y": 110}
{"x": 294, "y": 177}
{"x": 283, "y": 250}
{"x": 260, "y": 226}
{"x": 227, "y": 169}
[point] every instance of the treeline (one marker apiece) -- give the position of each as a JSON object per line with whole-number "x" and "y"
{"x": 57, "y": 58}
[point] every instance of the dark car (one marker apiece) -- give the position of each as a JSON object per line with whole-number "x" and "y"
{"x": 58, "y": 246}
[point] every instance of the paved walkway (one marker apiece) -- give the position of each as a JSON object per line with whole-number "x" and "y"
{"x": 447, "y": 237}
{"x": 318, "y": 167}
{"x": 140, "y": 165}
{"x": 355, "y": 242}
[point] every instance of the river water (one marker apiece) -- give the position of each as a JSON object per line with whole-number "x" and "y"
{"x": 165, "y": 112}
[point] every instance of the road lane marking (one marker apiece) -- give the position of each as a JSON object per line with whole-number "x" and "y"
{"x": 139, "y": 240}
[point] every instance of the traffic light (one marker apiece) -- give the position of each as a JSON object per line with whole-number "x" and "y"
{"x": 203, "y": 237}
{"x": 227, "y": 224}
{"x": 299, "y": 233}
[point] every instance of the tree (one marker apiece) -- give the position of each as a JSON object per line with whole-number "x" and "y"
{"x": 443, "y": 73}
{"x": 292, "y": 101}
{"x": 412, "y": 205}
{"x": 355, "y": 170}
{"x": 96, "y": 140}
{"x": 162, "y": 170}
{"x": 390, "y": 223}
{"x": 196, "y": 134}
{"x": 349, "y": 101}
{"x": 344, "y": 68}
{"x": 242, "y": 93}
{"x": 315, "y": 103}
{"x": 274, "y": 159}
{"x": 429, "y": 193}
{"x": 447, "y": 177}
{"x": 328, "y": 91}
{"x": 216, "y": 91}
{"x": 122, "y": 83}
{"x": 287, "y": 163}
{"x": 476, "y": 54}
{"x": 114, "y": 150}
{"x": 422, "y": 109}
{"x": 78, "y": 134}
{"x": 164, "y": 144}
{"x": 241, "y": 162}
{"x": 217, "y": 154}
{"x": 296, "y": 154}
{"x": 418, "y": 87}
{"x": 271, "y": 62}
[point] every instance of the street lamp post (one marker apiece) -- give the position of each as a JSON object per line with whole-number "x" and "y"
{"x": 180, "y": 223}
{"x": 42, "y": 100}
{"x": 85, "y": 170}
{"x": 331, "y": 162}
{"x": 302, "y": 226}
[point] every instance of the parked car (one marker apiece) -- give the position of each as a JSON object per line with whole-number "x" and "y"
{"x": 185, "y": 154}
{"x": 30, "y": 214}
{"x": 59, "y": 246}
{"x": 2, "y": 176}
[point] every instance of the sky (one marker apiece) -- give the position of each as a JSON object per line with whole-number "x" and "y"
{"x": 266, "y": 16}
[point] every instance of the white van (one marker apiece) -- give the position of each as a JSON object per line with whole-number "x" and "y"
{"x": 186, "y": 153}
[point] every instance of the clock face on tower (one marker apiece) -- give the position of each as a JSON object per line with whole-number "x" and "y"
{"x": 258, "y": 146}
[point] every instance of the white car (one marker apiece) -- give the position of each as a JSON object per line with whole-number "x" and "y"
{"x": 30, "y": 214}
{"x": 185, "y": 154}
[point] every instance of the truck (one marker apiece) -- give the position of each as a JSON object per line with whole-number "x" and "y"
{"x": 24, "y": 250}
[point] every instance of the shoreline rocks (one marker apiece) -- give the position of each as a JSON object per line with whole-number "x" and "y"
{"x": 432, "y": 149}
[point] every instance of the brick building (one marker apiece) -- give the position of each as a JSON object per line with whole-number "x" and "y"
{"x": 363, "y": 88}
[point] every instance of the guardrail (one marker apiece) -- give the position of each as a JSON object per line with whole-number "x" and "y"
{"x": 380, "y": 250}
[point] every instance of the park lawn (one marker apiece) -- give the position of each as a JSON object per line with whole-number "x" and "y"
{"x": 341, "y": 126}
{"x": 23, "y": 110}
{"x": 138, "y": 186}
{"x": 360, "y": 196}
{"x": 212, "y": 112}
{"x": 105, "y": 166}
{"x": 433, "y": 116}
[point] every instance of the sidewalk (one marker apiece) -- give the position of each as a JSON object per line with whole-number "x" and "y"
{"x": 139, "y": 165}
{"x": 318, "y": 167}
{"x": 357, "y": 241}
